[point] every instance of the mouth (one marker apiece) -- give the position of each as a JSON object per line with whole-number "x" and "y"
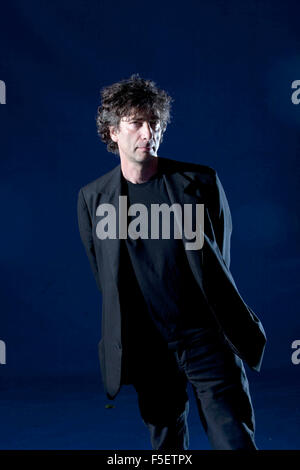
{"x": 145, "y": 148}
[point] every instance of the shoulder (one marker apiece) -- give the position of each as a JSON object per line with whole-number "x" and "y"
{"x": 195, "y": 171}
{"x": 101, "y": 183}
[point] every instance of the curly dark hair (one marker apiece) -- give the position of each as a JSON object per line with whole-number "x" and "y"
{"x": 131, "y": 95}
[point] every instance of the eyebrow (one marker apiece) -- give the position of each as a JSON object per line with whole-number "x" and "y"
{"x": 154, "y": 118}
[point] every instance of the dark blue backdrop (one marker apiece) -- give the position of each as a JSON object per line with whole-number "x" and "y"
{"x": 229, "y": 66}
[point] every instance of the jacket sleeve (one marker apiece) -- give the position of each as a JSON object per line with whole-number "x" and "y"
{"x": 222, "y": 222}
{"x": 85, "y": 230}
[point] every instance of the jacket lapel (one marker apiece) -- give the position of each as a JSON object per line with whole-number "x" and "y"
{"x": 183, "y": 190}
{"x": 110, "y": 194}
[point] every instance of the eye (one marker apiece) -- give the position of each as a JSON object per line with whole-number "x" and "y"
{"x": 155, "y": 124}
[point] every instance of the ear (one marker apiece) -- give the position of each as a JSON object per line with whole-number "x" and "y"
{"x": 113, "y": 134}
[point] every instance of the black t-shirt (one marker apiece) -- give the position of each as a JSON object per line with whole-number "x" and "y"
{"x": 159, "y": 280}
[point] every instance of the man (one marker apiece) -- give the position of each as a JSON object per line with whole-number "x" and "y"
{"x": 171, "y": 310}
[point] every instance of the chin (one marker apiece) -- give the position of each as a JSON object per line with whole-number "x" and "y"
{"x": 144, "y": 157}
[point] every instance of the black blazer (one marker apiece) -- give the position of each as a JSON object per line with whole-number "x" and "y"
{"x": 186, "y": 183}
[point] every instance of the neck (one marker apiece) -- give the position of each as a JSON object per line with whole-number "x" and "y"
{"x": 139, "y": 172}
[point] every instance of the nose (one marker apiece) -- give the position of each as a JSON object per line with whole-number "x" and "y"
{"x": 146, "y": 130}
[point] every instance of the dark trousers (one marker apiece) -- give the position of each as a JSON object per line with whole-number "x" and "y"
{"x": 218, "y": 379}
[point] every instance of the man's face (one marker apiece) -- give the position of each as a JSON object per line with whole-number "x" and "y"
{"x": 138, "y": 137}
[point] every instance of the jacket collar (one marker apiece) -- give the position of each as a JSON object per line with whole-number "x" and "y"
{"x": 180, "y": 184}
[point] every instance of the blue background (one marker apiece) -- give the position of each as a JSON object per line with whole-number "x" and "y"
{"x": 229, "y": 66}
